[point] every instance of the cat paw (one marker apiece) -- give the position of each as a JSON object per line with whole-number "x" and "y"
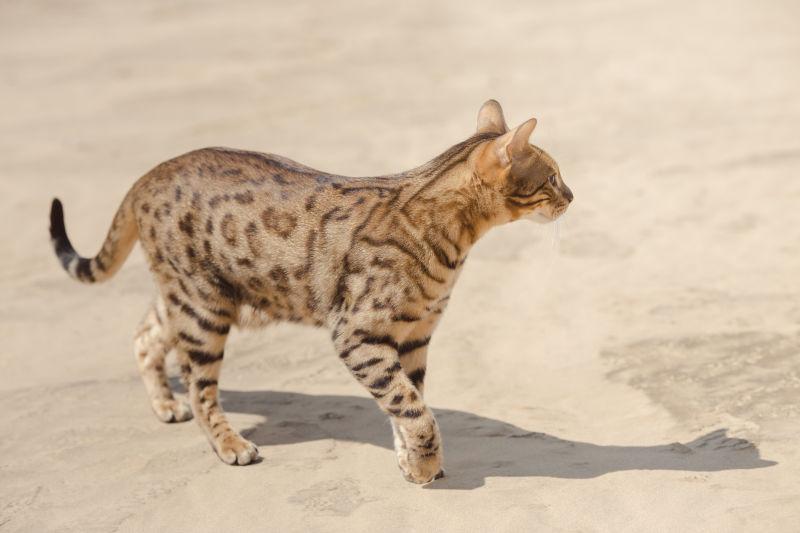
{"x": 172, "y": 410}
{"x": 420, "y": 467}
{"x": 419, "y": 450}
{"x": 234, "y": 449}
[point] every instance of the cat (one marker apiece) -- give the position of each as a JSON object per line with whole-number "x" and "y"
{"x": 233, "y": 235}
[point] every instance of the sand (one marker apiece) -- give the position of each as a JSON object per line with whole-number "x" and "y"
{"x": 641, "y": 375}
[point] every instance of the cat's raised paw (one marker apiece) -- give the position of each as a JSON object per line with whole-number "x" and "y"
{"x": 236, "y": 450}
{"x": 173, "y": 410}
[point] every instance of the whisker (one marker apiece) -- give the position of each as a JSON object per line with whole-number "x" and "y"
{"x": 555, "y": 243}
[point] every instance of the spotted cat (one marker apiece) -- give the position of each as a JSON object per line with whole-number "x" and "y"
{"x": 232, "y": 236}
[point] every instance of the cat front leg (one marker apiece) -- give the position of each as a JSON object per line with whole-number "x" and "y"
{"x": 413, "y": 354}
{"x": 372, "y": 357}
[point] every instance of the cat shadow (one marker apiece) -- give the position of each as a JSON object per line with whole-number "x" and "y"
{"x": 477, "y": 447}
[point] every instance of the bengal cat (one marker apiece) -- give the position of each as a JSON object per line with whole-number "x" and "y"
{"x": 231, "y": 235}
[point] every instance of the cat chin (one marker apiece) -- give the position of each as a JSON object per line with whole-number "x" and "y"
{"x": 538, "y": 217}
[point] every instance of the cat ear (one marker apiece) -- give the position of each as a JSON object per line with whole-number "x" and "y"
{"x": 490, "y": 118}
{"x": 515, "y": 143}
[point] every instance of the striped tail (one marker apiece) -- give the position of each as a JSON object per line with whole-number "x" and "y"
{"x": 120, "y": 240}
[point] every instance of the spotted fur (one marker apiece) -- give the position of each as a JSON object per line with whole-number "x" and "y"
{"x": 236, "y": 238}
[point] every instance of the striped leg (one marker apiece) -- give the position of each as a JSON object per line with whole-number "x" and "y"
{"x": 152, "y": 343}
{"x": 413, "y": 358}
{"x": 200, "y": 340}
{"x": 373, "y": 359}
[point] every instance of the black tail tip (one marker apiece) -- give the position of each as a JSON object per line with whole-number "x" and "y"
{"x": 57, "y": 230}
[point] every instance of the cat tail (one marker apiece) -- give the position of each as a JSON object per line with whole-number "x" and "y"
{"x": 121, "y": 237}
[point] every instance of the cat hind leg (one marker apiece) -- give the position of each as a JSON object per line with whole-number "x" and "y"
{"x": 152, "y": 342}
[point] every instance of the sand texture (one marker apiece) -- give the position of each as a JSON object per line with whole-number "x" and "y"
{"x": 640, "y": 374}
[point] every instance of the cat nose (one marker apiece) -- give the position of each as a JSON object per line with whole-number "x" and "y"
{"x": 568, "y": 194}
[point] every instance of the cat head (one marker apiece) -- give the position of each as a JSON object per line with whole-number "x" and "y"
{"x": 527, "y": 179}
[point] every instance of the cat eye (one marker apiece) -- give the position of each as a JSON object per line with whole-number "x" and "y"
{"x": 552, "y": 179}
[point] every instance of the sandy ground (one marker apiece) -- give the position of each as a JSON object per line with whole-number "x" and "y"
{"x": 642, "y": 375}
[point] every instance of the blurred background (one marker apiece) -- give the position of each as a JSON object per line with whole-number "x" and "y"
{"x": 664, "y": 311}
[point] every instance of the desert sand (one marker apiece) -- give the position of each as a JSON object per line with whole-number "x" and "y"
{"x": 639, "y": 373}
